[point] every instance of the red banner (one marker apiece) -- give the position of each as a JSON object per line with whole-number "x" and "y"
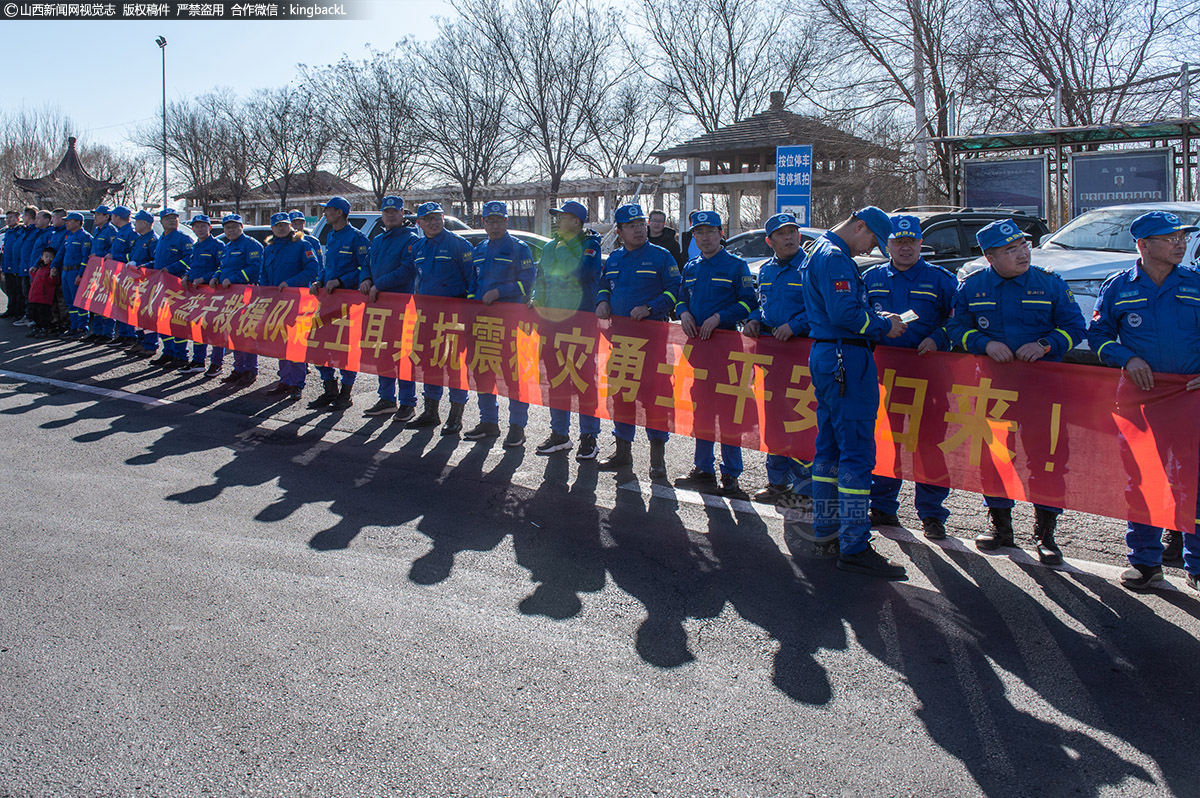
{"x": 1063, "y": 435}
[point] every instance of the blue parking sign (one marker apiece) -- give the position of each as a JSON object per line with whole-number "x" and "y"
{"x": 793, "y": 181}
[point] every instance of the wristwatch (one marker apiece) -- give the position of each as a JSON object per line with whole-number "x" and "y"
{"x": 1044, "y": 344}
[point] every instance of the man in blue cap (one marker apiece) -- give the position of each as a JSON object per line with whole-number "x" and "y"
{"x": 445, "y": 267}
{"x": 568, "y": 275}
{"x": 780, "y": 314}
{"x": 1016, "y": 311}
{"x": 103, "y": 233}
{"x": 123, "y": 336}
{"x": 845, "y": 326}
{"x": 78, "y": 248}
{"x": 13, "y": 234}
{"x": 241, "y": 264}
{"x": 392, "y": 268}
{"x": 172, "y": 255}
{"x": 718, "y": 293}
{"x": 907, "y": 282}
{"x": 141, "y": 256}
{"x": 346, "y": 260}
{"x": 1147, "y": 319}
{"x": 641, "y": 281}
{"x": 288, "y": 262}
{"x": 506, "y": 273}
{"x": 298, "y": 220}
{"x": 206, "y": 259}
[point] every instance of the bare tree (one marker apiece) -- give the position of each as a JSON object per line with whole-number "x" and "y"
{"x": 241, "y": 150}
{"x": 195, "y": 143}
{"x": 632, "y": 120}
{"x": 31, "y": 142}
{"x": 290, "y": 140}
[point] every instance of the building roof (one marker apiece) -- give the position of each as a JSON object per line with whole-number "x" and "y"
{"x": 68, "y": 181}
{"x": 322, "y": 183}
{"x": 1092, "y": 134}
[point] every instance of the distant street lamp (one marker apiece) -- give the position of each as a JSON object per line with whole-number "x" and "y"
{"x": 161, "y": 41}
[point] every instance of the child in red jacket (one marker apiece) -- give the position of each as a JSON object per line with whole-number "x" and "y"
{"x": 43, "y": 283}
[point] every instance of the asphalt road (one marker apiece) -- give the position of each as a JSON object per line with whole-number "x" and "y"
{"x": 208, "y": 593}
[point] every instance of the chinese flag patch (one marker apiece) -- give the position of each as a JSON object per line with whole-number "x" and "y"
{"x": 841, "y": 286}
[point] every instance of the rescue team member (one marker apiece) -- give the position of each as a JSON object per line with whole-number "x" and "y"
{"x": 568, "y": 275}
{"x": 288, "y": 262}
{"x": 780, "y": 314}
{"x": 1146, "y": 320}
{"x": 241, "y": 264}
{"x": 1014, "y": 310}
{"x": 718, "y": 292}
{"x": 391, "y": 268}
{"x": 36, "y": 240}
{"x": 58, "y": 242}
{"x": 207, "y": 253}
{"x": 78, "y": 248}
{"x": 296, "y": 217}
{"x": 907, "y": 282}
{"x": 141, "y": 256}
{"x": 103, "y": 234}
{"x": 641, "y": 281}
{"x": 13, "y": 234}
{"x": 847, "y": 387}
{"x": 506, "y": 272}
{"x": 122, "y": 334}
{"x": 444, "y": 268}
{"x": 172, "y": 255}
{"x": 345, "y": 260}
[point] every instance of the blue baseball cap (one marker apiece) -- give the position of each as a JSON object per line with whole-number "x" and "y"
{"x": 121, "y": 211}
{"x": 630, "y": 212}
{"x": 426, "y": 208}
{"x": 294, "y": 215}
{"x": 879, "y": 223}
{"x": 104, "y": 209}
{"x": 711, "y": 218}
{"x": 341, "y": 203}
{"x": 574, "y": 208}
{"x": 906, "y": 226}
{"x": 282, "y": 216}
{"x": 165, "y": 212}
{"x": 75, "y": 215}
{"x": 231, "y": 218}
{"x": 999, "y": 233}
{"x": 780, "y": 220}
{"x": 1158, "y": 223}
{"x": 392, "y": 202}
{"x": 200, "y": 218}
{"x": 495, "y": 208}
{"x": 144, "y": 216}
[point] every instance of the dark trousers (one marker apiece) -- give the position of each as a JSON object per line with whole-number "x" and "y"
{"x": 41, "y": 314}
{"x": 16, "y": 296}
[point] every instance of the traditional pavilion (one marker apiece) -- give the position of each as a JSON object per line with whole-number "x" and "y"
{"x": 69, "y": 185}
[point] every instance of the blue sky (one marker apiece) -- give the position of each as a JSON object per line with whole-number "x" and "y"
{"x": 107, "y": 76}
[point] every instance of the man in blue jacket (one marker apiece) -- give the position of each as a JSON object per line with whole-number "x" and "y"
{"x": 1016, "y": 311}
{"x": 13, "y": 234}
{"x": 123, "y": 336}
{"x": 298, "y": 220}
{"x": 718, "y": 293}
{"x": 172, "y": 255}
{"x": 141, "y": 256}
{"x": 207, "y": 253}
{"x": 506, "y": 274}
{"x": 241, "y": 264}
{"x": 37, "y": 237}
{"x": 392, "y": 268}
{"x": 288, "y": 262}
{"x": 444, "y": 268}
{"x": 567, "y": 278}
{"x": 78, "y": 248}
{"x": 103, "y": 233}
{"x": 641, "y": 281}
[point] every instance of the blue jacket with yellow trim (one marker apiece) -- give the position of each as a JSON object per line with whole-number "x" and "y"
{"x": 173, "y": 253}
{"x": 445, "y": 265}
{"x": 76, "y": 250}
{"x": 505, "y": 264}
{"x": 241, "y": 262}
{"x": 288, "y": 260}
{"x": 346, "y": 257}
{"x": 12, "y": 248}
{"x": 926, "y": 289}
{"x": 142, "y": 250}
{"x": 1158, "y": 323}
{"x": 835, "y": 295}
{"x": 781, "y": 296}
{"x": 58, "y": 240}
{"x": 1016, "y": 311}
{"x": 206, "y": 259}
{"x": 720, "y": 285}
{"x": 393, "y": 264}
{"x": 102, "y": 240}
{"x": 122, "y": 243}
{"x": 646, "y": 276}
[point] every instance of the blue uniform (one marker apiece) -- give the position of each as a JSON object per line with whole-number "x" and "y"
{"x": 928, "y": 291}
{"x": 142, "y": 252}
{"x": 102, "y": 239}
{"x": 445, "y": 267}
{"x": 58, "y": 235}
{"x": 206, "y": 259}
{"x": 13, "y": 239}
{"x": 173, "y": 253}
{"x": 119, "y": 246}
{"x": 392, "y": 267}
{"x": 315, "y": 243}
{"x": 718, "y": 286}
{"x": 241, "y": 264}
{"x": 505, "y": 265}
{"x": 1161, "y": 325}
{"x": 77, "y": 248}
{"x": 37, "y": 239}
{"x": 781, "y": 301}
{"x": 646, "y": 276}
{"x": 1016, "y": 311}
{"x": 346, "y": 260}
{"x": 847, "y": 387}
{"x": 289, "y": 260}
{"x": 568, "y": 276}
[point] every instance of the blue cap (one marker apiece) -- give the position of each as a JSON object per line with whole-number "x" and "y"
{"x": 999, "y": 233}
{"x": 495, "y": 208}
{"x": 121, "y": 211}
{"x": 781, "y": 220}
{"x": 200, "y": 217}
{"x": 574, "y": 208}
{"x": 341, "y": 203}
{"x": 231, "y": 217}
{"x": 294, "y": 215}
{"x": 282, "y": 216}
{"x": 144, "y": 216}
{"x": 879, "y": 223}
{"x": 629, "y": 213}
{"x": 711, "y": 218}
{"x": 165, "y": 212}
{"x": 76, "y": 215}
{"x": 906, "y": 227}
{"x": 104, "y": 209}
{"x": 426, "y": 208}
{"x": 391, "y": 202}
{"x": 1158, "y": 223}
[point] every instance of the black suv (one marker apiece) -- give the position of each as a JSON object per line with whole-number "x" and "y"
{"x": 948, "y": 233}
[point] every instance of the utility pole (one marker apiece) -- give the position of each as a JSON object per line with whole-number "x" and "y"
{"x": 922, "y": 144}
{"x": 161, "y": 41}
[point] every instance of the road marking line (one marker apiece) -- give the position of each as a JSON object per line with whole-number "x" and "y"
{"x": 107, "y": 393}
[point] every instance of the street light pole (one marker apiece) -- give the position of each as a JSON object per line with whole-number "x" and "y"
{"x": 161, "y": 41}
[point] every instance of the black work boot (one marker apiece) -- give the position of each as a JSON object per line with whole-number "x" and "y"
{"x": 430, "y": 417}
{"x": 658, "y": 459}
{"x": 453, "y": 424}
{"x": 1043, "y": 531}
{"x": 327, "y": 398}
{"x": 1172, "y": 545}
{"x": 343, "y": 399}
{"x": 622, "y": 457}
{"x": 1001, "y": 533}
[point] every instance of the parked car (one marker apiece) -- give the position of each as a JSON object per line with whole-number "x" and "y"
{"x": 536, "y": 242}
{"x": 259, "y": 232}
{"x": 752, "y": 245}
{"x": 948, "y": 233}
{"x": 371, "y": 223}
{"x": 89, "y": 224}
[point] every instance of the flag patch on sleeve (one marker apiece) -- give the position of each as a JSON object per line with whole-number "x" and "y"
{"x": 841, "y": 286}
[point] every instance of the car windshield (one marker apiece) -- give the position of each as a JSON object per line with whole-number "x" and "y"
{"x": 1103, "y": 229}
{"x": 752, "y": 246}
